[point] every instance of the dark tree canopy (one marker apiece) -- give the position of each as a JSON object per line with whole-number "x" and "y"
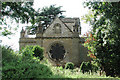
{"x": 46, "y": 16}
{"x": 16, "y": 11}
{"x": 23, "y": 12}
{"x": 106, "y": 35}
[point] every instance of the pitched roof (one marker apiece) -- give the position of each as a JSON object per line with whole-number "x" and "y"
{"x": 69, "y": 20}
{"x": 65, "y": 25}
{"x": 66, "y": 20}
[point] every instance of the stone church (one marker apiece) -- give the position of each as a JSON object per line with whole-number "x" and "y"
{"x": 61, "y": 41}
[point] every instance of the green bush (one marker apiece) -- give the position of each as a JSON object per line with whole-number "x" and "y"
{"x": 32, "y": 51}
{"x": 27, "y": 52}
{"x": 14, "y": 65}
{"x": 87, "y": 66}
{"x": 8, "y": 55}
{"x": 38, "y": 52}
{"x": 26, "y": 70}
{"x": 69, "y": 65}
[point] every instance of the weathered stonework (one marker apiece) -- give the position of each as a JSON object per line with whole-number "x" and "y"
{"x": 63, "y": 31}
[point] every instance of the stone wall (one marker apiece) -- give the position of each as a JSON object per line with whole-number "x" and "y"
{"x": 26, "y": 41}
{"x": 68, "y": 37}
{"x": 75, "y": 51}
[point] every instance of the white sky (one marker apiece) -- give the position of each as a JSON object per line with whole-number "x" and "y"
{"x": 73, "y": 8}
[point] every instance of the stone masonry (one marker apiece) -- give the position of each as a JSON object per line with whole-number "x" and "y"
{"x": 61, "y": 41}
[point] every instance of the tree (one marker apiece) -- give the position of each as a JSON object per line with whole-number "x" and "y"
{"x": 24, "y": 13}
{"x": 104, "y": 41}
{"x": 15, "y": 11}
{"x": 38, "y": 52}
{"x": 46, "y": 16}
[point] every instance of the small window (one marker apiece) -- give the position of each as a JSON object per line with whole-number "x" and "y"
{"x": 57, "y": 28}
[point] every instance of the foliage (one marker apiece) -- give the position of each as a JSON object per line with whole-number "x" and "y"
{"x": 60, "y": 72}
{"x": 38, "y": 52}
{"x": 31, "y": 51}
{"x": 26, "y": 70}
{"x": 88, "y": 18}
{"x": 88, "y": 43}
{"x": 18, "y": 10}
{"x": 8, "y": 55}
{"x": 23, "y": 12}
{"x": 106, "y": 31}
{"x": 15, "y": 67}
{"x": 15, "y": 11}
{"x": 45, "y": 16}
{"x": 27, "y": 52}
{"x": 88, "y": 67}
{"x": 85, "y": 67}
{"x": 69, "y": 65}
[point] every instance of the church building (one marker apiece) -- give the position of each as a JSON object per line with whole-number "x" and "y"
{"x": 61, "y": 41}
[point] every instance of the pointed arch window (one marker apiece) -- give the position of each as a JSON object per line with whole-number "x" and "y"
{"x": 57, "y": 28}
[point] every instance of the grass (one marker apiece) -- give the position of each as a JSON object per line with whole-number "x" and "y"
{"x": 60, "y": 72}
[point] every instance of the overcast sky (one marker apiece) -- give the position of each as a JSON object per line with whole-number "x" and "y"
{"x": 73, "y": 8}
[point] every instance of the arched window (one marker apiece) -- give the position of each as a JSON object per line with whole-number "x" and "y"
{"x": 57, "y": 52}
{"x": 57, "y": 28}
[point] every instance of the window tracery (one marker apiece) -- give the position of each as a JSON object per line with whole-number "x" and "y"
{"x": 57, "y": 52}
{"x": 57, "y": 28}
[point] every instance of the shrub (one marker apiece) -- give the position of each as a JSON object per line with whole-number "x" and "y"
{"x": 69, "y": 65}
{"x": 8, "y": 55}
{"x": 26, "y": 70}
{"x": 38, "y": 52}
{"x": 95, "y": 68}
{"x": 32, "y": 51}
{"x": 15, "y": 67}
{"x": 27, "y": 52}
{"x": 85, "y": 67}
